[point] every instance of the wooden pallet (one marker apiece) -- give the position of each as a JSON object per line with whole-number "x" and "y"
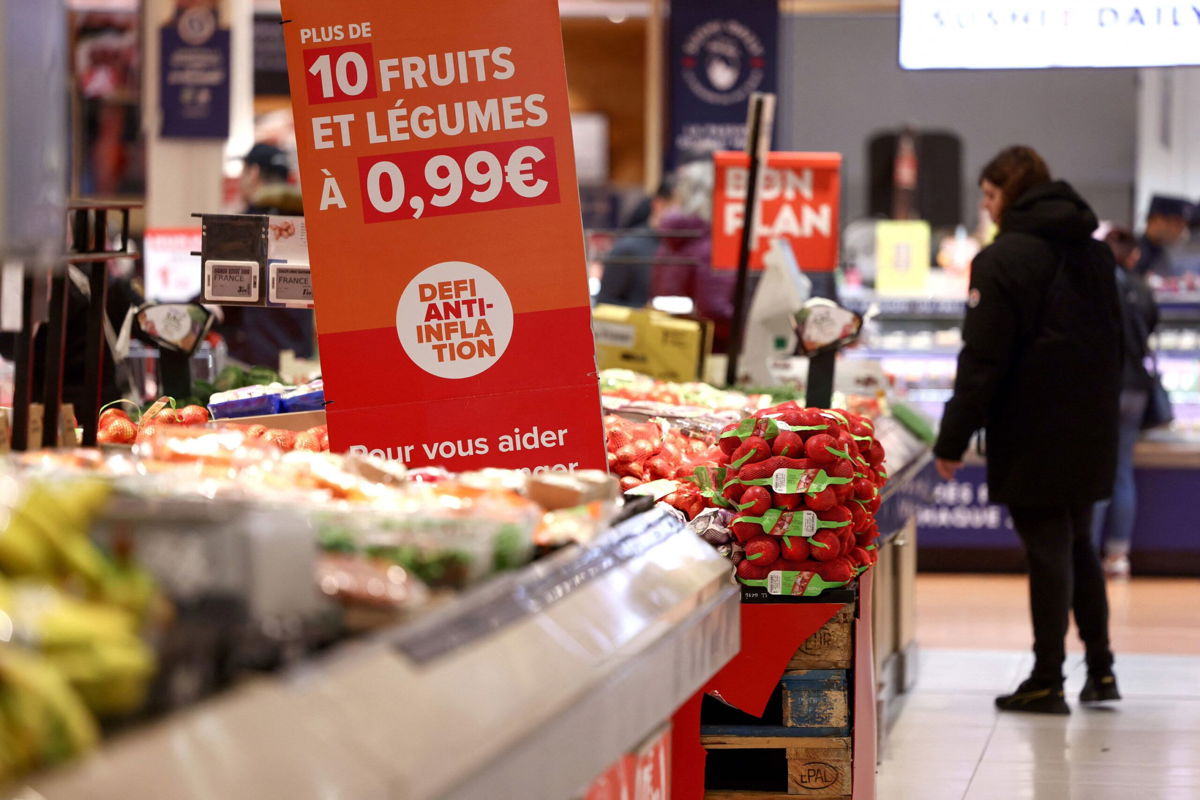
{"x": 832, "y": 647}
{"x": 806, "y": 703}
{"x": 818, "y": 768}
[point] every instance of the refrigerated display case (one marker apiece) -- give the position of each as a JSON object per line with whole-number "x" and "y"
{"x": 916, "y": 342}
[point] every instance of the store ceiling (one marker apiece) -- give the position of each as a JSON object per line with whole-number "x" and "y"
{"x": 102, "y": 5}
{"x": 838, "y": 6}
{"x": 576, "y": 8}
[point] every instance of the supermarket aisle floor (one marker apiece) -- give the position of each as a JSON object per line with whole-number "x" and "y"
{"x": 950, "y": 744}
{"x": 991, "y": 612}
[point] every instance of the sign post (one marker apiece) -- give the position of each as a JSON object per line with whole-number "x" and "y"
{"x": 761, "y": 123}
{"x": 444, "y": 231}
{"x": 788, "y": 196}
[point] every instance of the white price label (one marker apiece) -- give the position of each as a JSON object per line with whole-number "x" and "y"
{"x": 291, "y": 285}
{"x": 810, "y": 524}
{"x": 12, "y": 279}
{"x": 656, "y": 489}
{"x": 779, "y": 481}
{"x": 231, "y": 281}
{"x": 614, "y": 334}
{"x": 775, "y": 582}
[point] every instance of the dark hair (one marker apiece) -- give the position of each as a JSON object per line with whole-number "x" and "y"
{"x": 1123, "y": 243}
{"x": 272, "y": 162}
{"x": 640, "y": 215}
{"x": 1015, "y": 170}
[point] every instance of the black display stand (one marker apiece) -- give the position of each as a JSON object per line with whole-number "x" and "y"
{"x": 759, "y": 126}
{"x": 90, "y": 252}
{"x": 819, "y": 389}
{"x": 23, "y": 363}
{"x": 176, "y": 373}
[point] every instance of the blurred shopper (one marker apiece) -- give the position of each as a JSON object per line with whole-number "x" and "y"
{"x": 627, "y": 266}
{"x": 266, "y": 186}
{"x": 1166, "y": 226}
{"x": 684, "y": 262}
{"x": 1040, "y": 375}
{"x": 256, "y": 336}
{"x": 1113, "y": 519}
{"x": 1187, "y": 258}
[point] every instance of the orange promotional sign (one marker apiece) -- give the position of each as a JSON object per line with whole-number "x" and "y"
{"x": 800, "y": 195}
{"x": 444, "y": 231}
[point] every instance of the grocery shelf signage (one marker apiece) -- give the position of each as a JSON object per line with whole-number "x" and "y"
{"x": 170, "y": 267}
{"x": 444, "y": 231}
{"x": 721, "y": 52}
{"x": 985, "y": 34}
{"x": 962, "y": 515}
{"x": 194, "y": 75}
{"x": 800, "y": 198}
{"x": 902, "y": 256}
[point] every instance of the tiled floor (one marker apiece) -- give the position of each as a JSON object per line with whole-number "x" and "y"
{"x": 950, "y": 743}
{"x": 1149, "y": 615}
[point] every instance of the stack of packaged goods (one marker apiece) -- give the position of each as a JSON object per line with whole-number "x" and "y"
{"x": 622, "y": 388}
{"x": 639, "y": 453}
{"x": 789, "y": 494}
{"x": 238, "y": 406}
{"x": 803, "y": 485}
{"x": 200, "y": 553}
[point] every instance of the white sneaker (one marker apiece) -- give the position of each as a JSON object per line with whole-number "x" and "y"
{"x": 1116, "y": 566}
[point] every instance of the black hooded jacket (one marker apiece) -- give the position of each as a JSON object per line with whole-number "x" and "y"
{"x": 1040, "y": 369}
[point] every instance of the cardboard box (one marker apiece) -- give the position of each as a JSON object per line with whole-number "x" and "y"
{"x": 651, "y": 342}
{"x": 558, "y": 490}
{"x": 67, "y": 434}
{"x": 296, "y": 421}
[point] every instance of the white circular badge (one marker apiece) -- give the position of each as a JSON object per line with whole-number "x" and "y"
{"x": 454, "y": 320}
{"x": 197, "y": 25}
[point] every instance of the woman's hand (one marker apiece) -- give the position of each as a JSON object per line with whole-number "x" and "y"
{"x": 947, "y": 468}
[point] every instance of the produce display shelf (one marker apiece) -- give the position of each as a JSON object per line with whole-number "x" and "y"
{"x": 878, "y": 352}
{"x": 1167, "y": 451}
{"x": 528, "y": 687}
{"x": 1182, "y": 306}
{"x": 923, "y": 308}
{"x": 1155, "y": 450}
{"x": 874, "y": 352}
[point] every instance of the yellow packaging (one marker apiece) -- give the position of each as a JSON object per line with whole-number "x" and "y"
{"x": 651, "y": 342}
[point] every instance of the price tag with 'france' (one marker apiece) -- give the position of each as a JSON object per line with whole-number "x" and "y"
{"x": 291, "y": 285}
{"x": 231, "y": 281}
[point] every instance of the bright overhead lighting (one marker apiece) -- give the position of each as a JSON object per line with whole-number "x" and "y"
{"x": 614, "y": 10}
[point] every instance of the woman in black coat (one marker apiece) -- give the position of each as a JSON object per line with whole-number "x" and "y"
{"x": 1040, "y": 376}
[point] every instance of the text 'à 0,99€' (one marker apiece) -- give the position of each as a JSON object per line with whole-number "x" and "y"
{"x": 350, "y": 72}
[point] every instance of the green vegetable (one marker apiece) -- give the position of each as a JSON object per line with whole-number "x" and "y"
{"x": 778, "y": 394}
{"x": 336, "y": 540}
{"x": 261, "y": 376}
{"x": 510, "y": 552}
{"x": 232, "y": 377}
{"x": 916, "y": 422}
{"x": 204, "y": 392}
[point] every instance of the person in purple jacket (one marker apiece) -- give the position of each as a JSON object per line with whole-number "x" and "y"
{"x": 684, "y": 264}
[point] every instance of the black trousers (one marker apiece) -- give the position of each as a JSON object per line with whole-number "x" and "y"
{"x": 1064, "y": 574}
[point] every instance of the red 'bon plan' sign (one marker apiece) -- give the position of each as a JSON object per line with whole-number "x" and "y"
{"x": 800, "y": 194}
